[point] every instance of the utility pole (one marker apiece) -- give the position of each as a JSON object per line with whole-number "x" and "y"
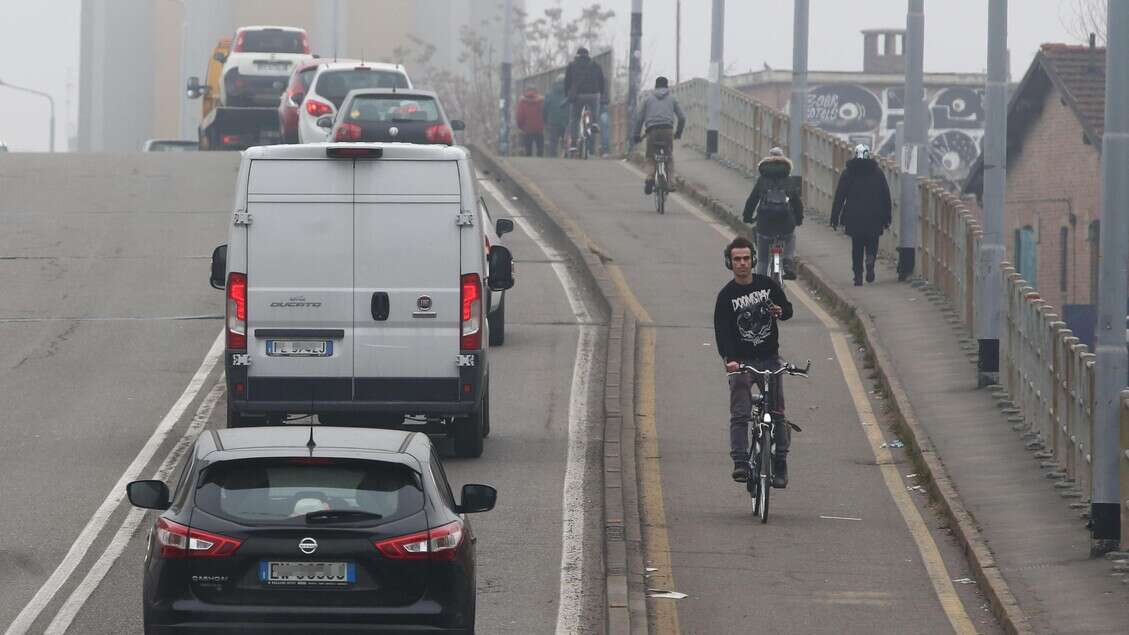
{"x": 506, "y": 76}
{"x": 678, "y": 42}
{"x": 634, "y": 67}
{"x": 915, "y": 151}
{"x": 798, "y": 108}
{"x": 717, "y": 69}
{"x": 989, "y": 285}
{"x": 1113, "y": 287}
{"x": 50, "y": 102}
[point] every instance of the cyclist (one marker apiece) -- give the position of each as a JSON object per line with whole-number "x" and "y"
{"x": 745, "y": 326}
{"x": 585, "y": 86}
{"x": 657, "y": 115}
{"x": 775, "y": 207}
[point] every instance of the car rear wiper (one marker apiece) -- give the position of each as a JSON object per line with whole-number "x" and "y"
{"x": 341, "y": 515}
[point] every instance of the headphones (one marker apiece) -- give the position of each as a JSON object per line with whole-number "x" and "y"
{"x": 728, "y": 253}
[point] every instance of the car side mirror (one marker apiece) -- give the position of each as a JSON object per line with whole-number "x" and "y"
{"x": 220, "y": 57}
{"x": 325, "y": 122}
{"x": 477, "y": 498}
{"x": 501, "y": 268}
{"x": 193, "y": 88}
{"x": 219, "y": 267}
{"x": 148, "y": 494}
{"x": 458, "y": 125}
{"x": 503, "y": 226}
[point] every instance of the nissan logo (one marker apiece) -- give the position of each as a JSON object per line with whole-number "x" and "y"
{"x": 308, "y": 545}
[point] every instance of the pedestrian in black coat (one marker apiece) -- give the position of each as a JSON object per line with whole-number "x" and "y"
{"x": 862, "y": 205}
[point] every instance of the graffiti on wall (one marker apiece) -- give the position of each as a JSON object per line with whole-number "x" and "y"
{"x": 860, "y": 115}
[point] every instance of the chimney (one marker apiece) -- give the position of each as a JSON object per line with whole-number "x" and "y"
{"x": 1090, "y": 62}
{"x": 884, "y": 51}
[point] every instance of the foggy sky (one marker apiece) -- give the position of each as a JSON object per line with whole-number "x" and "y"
{"x": 39, "y": 44}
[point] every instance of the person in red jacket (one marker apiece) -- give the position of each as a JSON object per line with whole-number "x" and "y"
{"x": 530, "y": 121}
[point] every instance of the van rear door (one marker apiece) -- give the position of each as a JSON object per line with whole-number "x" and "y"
{"x": 300, "y": 280}
{"x": 407, "y": 268}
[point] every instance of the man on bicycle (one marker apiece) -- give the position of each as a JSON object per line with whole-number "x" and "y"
{"x": 745, "y": 326}
{"x": 775, "y": 207}
{"x": 585, "y": 86}
{"x": 657, "y": 116}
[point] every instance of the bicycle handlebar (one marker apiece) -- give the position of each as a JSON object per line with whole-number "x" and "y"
{"x": 785, "y": 369}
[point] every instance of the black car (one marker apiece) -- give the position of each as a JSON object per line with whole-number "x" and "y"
{"x": 392, "y": 115}
{"x": 310, "y": 529}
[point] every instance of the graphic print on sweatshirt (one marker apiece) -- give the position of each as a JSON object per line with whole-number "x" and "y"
{"x": 754, "y": 321}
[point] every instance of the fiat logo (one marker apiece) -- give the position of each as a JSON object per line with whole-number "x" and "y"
{"x": 424, "y": 303}
{"x": 307, "y": 545}
{"x": 393, "y": 131}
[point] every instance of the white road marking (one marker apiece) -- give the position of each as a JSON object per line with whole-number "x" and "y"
{"x": 571, "y": 600}
{"x": 118, "y": 543}
{"x": 839, "y": 518}
{"x": 101, "y": 516}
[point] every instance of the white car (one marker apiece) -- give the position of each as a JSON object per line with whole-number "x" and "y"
{"x": 333, "y": 82}
{"x": 257, "y": 69}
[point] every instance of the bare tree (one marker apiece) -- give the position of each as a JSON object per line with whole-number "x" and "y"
{"x": 1083, "y": 17}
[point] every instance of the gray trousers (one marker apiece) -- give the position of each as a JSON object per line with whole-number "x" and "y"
{"x": 741, "y": 405}
{"x": 764, "y": 252}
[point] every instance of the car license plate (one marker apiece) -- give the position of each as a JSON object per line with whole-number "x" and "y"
{"x": 308, "y": 573}
{"x": 273, "y": 66}
{"x": 299, "y": 348}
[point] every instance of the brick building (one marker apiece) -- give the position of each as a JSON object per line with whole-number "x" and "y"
{"x": 1053, "y": 200}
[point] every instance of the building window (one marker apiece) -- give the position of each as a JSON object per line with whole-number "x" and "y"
{"x": 1064, "y": 259}
{"x": 1025, "y": 254}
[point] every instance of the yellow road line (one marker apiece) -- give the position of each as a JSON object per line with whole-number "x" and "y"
{"x": 656, "y": 540}
{"x": 926, "y": 546}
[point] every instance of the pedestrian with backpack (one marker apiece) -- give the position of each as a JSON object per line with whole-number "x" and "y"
{"x": 863, "y": 207}
{"x": 775, "y": 209}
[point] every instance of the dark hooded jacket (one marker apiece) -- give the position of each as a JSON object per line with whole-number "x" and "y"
{"x": 555, "y": 110}
{"x": 584, "y": 77}
{"x": 862, "y": 199}
{"x": 774, "y": 171}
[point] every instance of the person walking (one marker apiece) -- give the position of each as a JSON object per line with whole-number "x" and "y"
{"x": 555, "y": 114}
{"x": 863, "y": 207}
{"x": 531, "y": 121}
{"x": 774, "y": 206}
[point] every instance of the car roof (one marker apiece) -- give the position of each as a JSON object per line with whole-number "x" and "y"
{"x": 398, "y": 92}
{"x": 340, "y": 64}
{"x": 399, "y": 445}
{"x": 265, "y": 27}
{"x": 405, "y": 151}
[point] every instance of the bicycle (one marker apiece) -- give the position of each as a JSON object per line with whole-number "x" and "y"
{"x": 585, "y": 134}
{"x": 662, "y": 186}
{"x": 776, "y": 263}
{"x": 763, "y": 435}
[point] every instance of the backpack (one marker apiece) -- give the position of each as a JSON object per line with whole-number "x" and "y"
{"x": 773, "y": 205}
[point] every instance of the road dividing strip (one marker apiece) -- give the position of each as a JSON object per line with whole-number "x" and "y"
{"x": 655, "y": 535}
{"x": 573, "y": 513}
{"x": 101, "y": 516}
{"x": 926, "y": 546}
{"x": 118, "y": 543}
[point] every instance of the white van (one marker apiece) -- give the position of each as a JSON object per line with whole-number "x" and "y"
{"x": 356, "y": 278}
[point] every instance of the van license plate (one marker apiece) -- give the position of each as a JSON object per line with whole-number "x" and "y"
{"x": 308, "y": 573}
{"x": 299, "y": 348}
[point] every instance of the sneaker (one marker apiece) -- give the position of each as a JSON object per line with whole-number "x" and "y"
{"x": 648, "y": 186}
{"x": 741, "y": 471}
{"x": 858, "y": 279}
{"x": 779, "y": 472}
{"x": 870, "y": 272}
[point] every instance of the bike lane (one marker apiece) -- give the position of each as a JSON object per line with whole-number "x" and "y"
{"x": 837, "y": 554}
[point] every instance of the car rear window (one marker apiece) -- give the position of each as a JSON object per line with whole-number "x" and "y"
{"x": 335, "y": 85}
{"x": 271, "y": 41}
{"x": 283, "y": 491}
{"x": 306, "y": 76}
{"x": 392, "y": 109}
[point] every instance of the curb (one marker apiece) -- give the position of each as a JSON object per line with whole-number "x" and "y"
{"x": 918, "y": 444}
{"x": 624, "y": 605}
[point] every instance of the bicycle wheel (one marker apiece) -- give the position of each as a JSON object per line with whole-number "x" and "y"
{"x": 660, "y": 192}
{"x": 764, "y": 480}
{"x": 777, "y": 270}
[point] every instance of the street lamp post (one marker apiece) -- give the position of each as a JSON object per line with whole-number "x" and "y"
{"x": 50, "y": 100}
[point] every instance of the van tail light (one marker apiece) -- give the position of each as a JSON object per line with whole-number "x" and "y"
{"x": 237, "y": 311}
{"x": 348, "y": 132}
{"x": 471, "y": 312}
{"x": 317, "y": 108}
{"x": 438, "y": 544}
{"x": 439, "y": 133}
{"x": 175, "y": 541}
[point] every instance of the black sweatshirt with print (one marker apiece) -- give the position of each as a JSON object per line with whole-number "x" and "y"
{"x": 742, "y": 324}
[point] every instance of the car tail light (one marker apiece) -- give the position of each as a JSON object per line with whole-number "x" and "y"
{"x": 348, "y": 132}
{"x": 239, "y": 42}
{"x": 471, "y": 312}
{"x": 440, "y": 543}
{"x": 439, "y": 133}
{"x": 230, "y": 139}
{"x": 317, "y": 108}
{"x": 237, "y": 310}
{"x": 305, "y": 44}
{"x": 178, "y": 541}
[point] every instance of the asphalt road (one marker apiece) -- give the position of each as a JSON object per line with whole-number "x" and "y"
{"x": 90, "y": 362}
{"x": 837, "y": 555}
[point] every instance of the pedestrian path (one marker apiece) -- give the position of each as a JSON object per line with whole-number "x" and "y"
{"x": 1041, "y": 544}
